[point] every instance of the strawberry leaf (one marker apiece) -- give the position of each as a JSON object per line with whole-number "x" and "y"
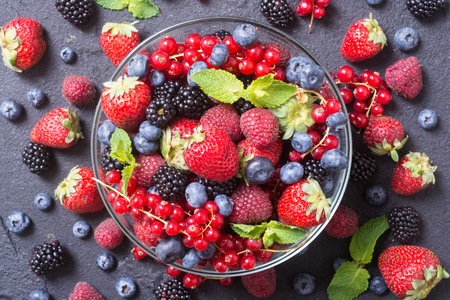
{"x": 349, "y": 281}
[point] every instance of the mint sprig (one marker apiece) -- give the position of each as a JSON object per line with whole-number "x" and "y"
{"x": 141, "y": 9}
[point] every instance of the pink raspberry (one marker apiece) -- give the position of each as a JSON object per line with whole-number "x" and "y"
{"x": 145, "y": 235}
{"x": 262, "y": 284}
{"x": 260, "y": 127}
{"x": 83, "y": 291}
{"x": 149, "y": 164}
{"x": 78, "y": 90}
{"x": 343, "y": 224}
{"x": 224, "y": 117}
{"x": 108, "y": 234}
{"x": 251, "y": 205}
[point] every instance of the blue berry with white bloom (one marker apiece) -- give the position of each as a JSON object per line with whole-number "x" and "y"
{"x": 157, "y": 77}
{"x": 327, "y": 184}
{"x": 43, "y": 201}
{"x": 170, "y": 250}
{"x": 333, "y": 161}
{"x": 301, "y": 142}
{"x": 245, "y": 35}
{"x": 17, "y": 222}
{"x": 225, "y": 204}
{"x": 291, "y": 173}
{"x": 36, "y": 97}
{"x": 138, "y": 66}
{"x": 143, "y": 145}
{"x": 149, "y": 131}
{"x": 338, "y": 262}
{"x": 196, "y": 67}
{"x": 377, "y": 285}
{"x": 406, "y": 39}
{"x": 39, "y": 295}
{"x": 427, "y": 118}
{"x": 191, "y": 258}
{"x": 304, "y": 284}
{"x": 196, "y": 195}
{"x": 294, "y": 66}
{"x": 219, "y": 54}
{"x": 105, "y": 131}
{"x": 81, "y": 229}
{"x": 126, "y": 287}
{"x": 258, "y": 170}
{"x": 208, "y": 252}
{"x": 68, "y": 55}
{"x": 106, "y": 261}
{"x": 11, "y": 109}
{"x": 337, "y": 121}
{"x": 312, "y": 77}
{"x": 376, "y": 195}
{"x": 374, "y": 2}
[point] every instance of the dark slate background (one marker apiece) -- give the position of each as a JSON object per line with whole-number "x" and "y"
{"x": 19, "y": 186}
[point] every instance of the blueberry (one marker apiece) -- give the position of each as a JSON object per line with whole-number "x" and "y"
{"x": 36, "y": 97}
{"x": 191, "y": 258}
{"x": 17, "y": 222}
{"x": 149, "y": 131}
{"x": 374, "y": 2}
{"x": 105, "y": 131}
{"x": 196, "y": 67}
{"x": 143, "y": 145}
{"x": 337, "y": 262}
{"x": 208, "y": 252}
{"x": 406, "y": 39}
{"x": 138, "y": 66}
{"x": 43, "y": 201}
{"x": 312, "y": 77}
{"x": 427, "y": 118}
{"x": 153, "y": 190}
{"x": 68, "y": 55}
{"x": 157, "y": 77}
{"x": 11, "y": 109}
{"x": 219, "y": 54}
{"x": 106, "y": 261}
{"x": 258, "y": 170}
{"x": 291, "y": 173}
{"x": 376, "y": 195}
{"x": 327, "y": 184}
{"x": 39, "y": 295}
{"x": 377, "y": 285}
{"x": 170, "y": 250}
{"x": 294, "y": 66}
{"x": 333, "y": 161}
{"x": 337, "y": 121}
{"x": 81, "y": 229}
{"x": 304, "y": 283}
{"x": 196, "y": 195}
{"x": 225, "y": 204}
{"x": 245, "y": 35}
{"x": 301, "y": 141}
{"x": 126, "y": 287}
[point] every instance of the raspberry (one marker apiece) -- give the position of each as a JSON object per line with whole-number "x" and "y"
{"x": 108, "y": 234}
{"x": 260, "y": 127}
{"x": 251, "y": 205}
{"x": 84, "y": 290}
{"x": 262, "y": 284}
{"x": 405, "y": 77}
{"x": 78, "y": 90}
{"x": 285, "y": 56}
{"x": 224, "y": 117}
{"x": 343, "y": 224}
{"x": 273, "y": 152}
{"x": 149, "y": 164}
{"x": 145, "y": 235}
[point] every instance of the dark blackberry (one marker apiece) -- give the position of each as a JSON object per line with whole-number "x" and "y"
{"x": 110, "y": 163}
{"x": 162, "y": 108}
{"x": 277, "y": 12}
{"x": 172, "y": 289}
{"x": 192, "y": 102}
{"x": 75, "y": 11}
{"x": 221, "y": 34}
{"x": 246, "y": 79}
{"x": 243, "y": 105}
{"x": 46, "y": 257}
{"x": 214, "y": 188}
{"x": 168, "y": 89}
{"x": 424, "y": 9}
{"x": 363, "y": 166}
{"x": 404, "y": 222}
{"x": 170, "y": 183}
{"x": 37, "y": 157}
{"x": 313, "y": 169}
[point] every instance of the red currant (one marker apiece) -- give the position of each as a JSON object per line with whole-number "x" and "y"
{"x": 322, "y": 3}
{"x": 193, "y": 41}
{"x": 153, "y": 200}
{"x": 346, "y": 95}
{"x": 231, "y": 257}
{"x": 112, "y": 196}
{"x": 226, "y": 242}
{"x": 262, "y": 69}
{"x": 231, "y": 65}
{"x": 220, "y": 265}
{"x": 168, "y": 45}
{"x": 121, "y": 206}
{"x": 374, "y": 80}
{"x": 188, "y": 241}
{"x": 217, "y": 220}
{"x": 138, "y": 201}
{"x": 318, "y": 152}
{"x": 304, "y": 8}
{"x": 264, "y": 256}
{"x": 191, "y": 281}
{"x": 136, "y": 214}
{"x": 233, "y": 47}
{"x": 279, "y": 74}
{"x": 345, "y": 74}
{"x": 384, "y": 97}
{"x": 163, "y": 209}
{"x": 112, "y": 177}
{"x": 177, "y": 213}
{"x": 361, "y": 120}
{"x": 253, "y": 244}
{"x": 352, "y": 115}
{"x": 211, "y": 207}
{"x": 191, "y": 55}
{"x": 377, "y": 110}
{"x": 239, "y": 244}
{"x": 315, "y": 136}
{"x": 212, "y": 234}
{"x": 201, "y": 243}
{"x": 365, "y": 75}
{"x": 173, "y": 228}
{"x": 201, "y": 216}
{"x": 318, "y": 12}
{"x": 160, "y": 60}
{"x": 333, "y": 106}
{"x": 207, "y": 44}
{"x": 360, "y": 106}
{"x": 272, "y": 56}
{"x": 131, "y": 186}
{"x": 226, "y": 281}
{"x": 383, "y": 86}
{"x": 247, "y": 261}
{"x": 319, "y": 114}
{"x": 255, "y": 53}
{"x": 172, "y": 272}
{"x": 246, "y": 66}
{"x": 361, "y": 92}
{"x": 193, "y": 230}
{"x": 157, "y": 227}
{"x": 138, "y": 253}
{"x": 331, "y": 142}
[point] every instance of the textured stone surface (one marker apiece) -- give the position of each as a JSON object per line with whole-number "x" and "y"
{"x": 19, "y": 186}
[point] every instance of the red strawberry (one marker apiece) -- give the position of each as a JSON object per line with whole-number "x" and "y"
{"x": 410, "y": 271}
{"x": 384, "y": 135}
{"x": 412, "y": 173}
{"x": 60, "y": 128}
{"x": 84, "y": 291}
{"x": 304, "y": 205}
{"x": 149, "y": 164}
{"x": 78, "y": 90}
{"x": 108, "y": 234}
{"x": 117, "y": 40}
{"x": 211, "y": 154}
{"x": 343, "y": 224}
{"x": 145, "y": 235}
{"x": 124, "y": 102}
{"x": 260, "y": 127}
{"x": 262, "y": 284}
{"x": 273, "y": 152}
{"x": 405, "y": 77}
{"x": 78, "y": 192}
{"x": 251, "y": 205}
{"x": 22, "y": 43}
{"x": 225, "y": 117}
{"x": 363, "y": 39}
{"x": 185, "y": 126}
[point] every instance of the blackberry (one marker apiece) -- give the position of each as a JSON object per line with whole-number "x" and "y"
{"x": 170, "y": 183}
{"x": 46, "y": 257}
{"x": 110, "y": 163}
{"x": 75, "y": 11}
{"x": 424, "y": 9}
{"x": 172, "y": 289}
{"x": 192, "y": 102}
{"x": 163, "y": 109}
{"x": 214, "y": 188}
{"x": 363, "y": 166}
{"x": 246, "y": 79}
{"x": 277, "y": 12}
{"x": 221, "y": 34}
{"x": 404, "y": 222}
{"x": 313, "y": 169}
{"x": 243, "y": 105}
{"x": 168, "y": 89}
{"x": 37, "y": 157}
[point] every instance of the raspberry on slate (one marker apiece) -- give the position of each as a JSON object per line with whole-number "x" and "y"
{"x": 262, "y": 284}
{"x": 108, "y": 234}
{"x": 84, "y": 290}
{"x": 78, "y": 90}
{"x": 47, "y": 257}
{"x": 344, "y": 223}
{"x": 405, "y": 77}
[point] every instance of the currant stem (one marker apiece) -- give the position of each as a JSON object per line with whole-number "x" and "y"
{"x": 322, "y": 99}
{"x": 312, "y": 18}
{"x": 318, "y": 144}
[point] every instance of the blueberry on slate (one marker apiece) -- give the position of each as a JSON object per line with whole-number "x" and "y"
{"x": 333, "y": 161}
{"x": 43, "y": 201}
{"x": 258, "y": 170}
{"x": 68, "y": 55}
{"x": 219, "y": 54}
{"x": 157, "y": 77}
{"x": 337, "y": 121}
{"x": 143, "y": 145}
{"x": 126, "y": 287}
{"x": 138, "y": 66}
{"x": 327, "y": 184}
{"x": 427, "y": 118}
{"x": 304, "y": 283}
{"x": 170, "y": 250}
{"x": 376, "y": 195}
{"x": 81, "y": 229}
{"x": 225, "y": 204}
{"x": 301, "y": 141}
{"x": 337, "y": 262}
{"x": 149, "y": 131}
{"x": 196, "y": 67}
{"x": 39, "y": 295}
{"x": 374, "y": 2}
{"x": 406, "y": 39}
{"x": 377, "y": 285}
{"x": 36, "y": 97}
{"x": 245, "y": 35}
{"x": 191, "y": 258}
{"x": 312, "y": 77}
{"x": 11, "y": 109}
{"x": 17, "y": 222}
{"x": 196, "y": 195}
{"x": 294, "y": 66}
{"x": 208, "y": 252}
{"x": 291, "y": 173}
{"x": 106, "y": 261}
{"x": 105, "y": 131}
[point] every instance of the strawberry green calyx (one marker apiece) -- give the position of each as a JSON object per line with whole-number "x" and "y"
{"x": 73, "y": 125}
{"x": 124, "y": 28}
{"x": 243, "y": 160}
{"x": 421, "y": 287}
{"x": 9, "y": 43}
{"x": 121, "y": 86}
{"x": 197, "y": 137}
{"x": 376, "y": 34}
{"x": 172, "y": 149}
{"x": 316, "y": 197}
{"x": 67, "y": 186}
{"x": 420, "y": 165}
{"x": 386, "y": 148}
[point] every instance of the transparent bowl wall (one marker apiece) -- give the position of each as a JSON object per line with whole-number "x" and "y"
{"x": 266, "y": 34}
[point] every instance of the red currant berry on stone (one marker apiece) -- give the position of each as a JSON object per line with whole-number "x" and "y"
{"x": 220, "y": 265}
{"x": 172, "y": 272}
{"x": 361, "y": 120}
{"x": 361, "y": 92}
{"x": 304, "y": 8}
{"x": 318, "y": 152}
{"x": 345, "y": 74}
{"x": 272, "y": 56}
{"x": 138, "y": 253}
{"x": 112, "y": 177}
{"x": 226, "y": 281}
{"x": 322, "y": 3}
{"x": 168, "y": 45}
{"x": 360, "y": 106}
{"x": 346, "y": 95}
{"x": 318, "y": 12}
{"x": 333, "y": 106}
{"x": 377, "y": 110}
{"x": 374, "y": 80}
{"x": 160, "y": 60}
{"x": 191, "y": 281}
{"x": 319, "y": 114}
{"x": 247, "y": 261}
{"x": 384, "y": 97}
{"x": 121, "y": 206}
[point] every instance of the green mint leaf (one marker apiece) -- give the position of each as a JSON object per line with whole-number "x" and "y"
{"x": 268, "y": 238}
{"x": 121, "y": 147}
{"x": 248, "y": 231}
{"x": 349, "y": 281}
{"x": 260, "y": 85}
{"x": 276, "y": 94}
{"x": 283, "y": 234}
{"x": 364, "y": 239}
{"x": 143, "y": 9}
{"x": 113, "y": 4}
{"x": 246, "y": 94}
{"x": 126, "y": 175}
{"x": 219, "y": 84}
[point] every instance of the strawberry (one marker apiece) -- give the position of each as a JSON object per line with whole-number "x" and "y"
{"x": 363, "y": 39}
{"x": 262, "y": 284}
{"x": 124, "y": 102}
{"x": 405, "y": 77}
{"x": 343, "y": 224}
{"x": 78, "y": 90}
{"x": 211, "y": 154}
{"x": 260, "y": 127}
{"x": 184, "y": 125}
{"x": 60, "y": 128}
{"x": 299, "y": 202}
{"x": 84, "y": 291}
{"x": 384, "y": 135}
{"x": 251, "y": 205}
{"x": 117, "y": 40}
{"x": 273, "y": 152}
{"x": 78, "y": 192}
{"x": 225, "y": 117}
{"x": 410, "y": 272}
{"x": 22, "y": 43}
{"x": 148, "y": 164}
{"x": 108, "y": 234}
{"x": 412, "y": 173}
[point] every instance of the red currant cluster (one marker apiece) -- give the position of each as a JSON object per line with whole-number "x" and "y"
{"x": 314, "y": 7}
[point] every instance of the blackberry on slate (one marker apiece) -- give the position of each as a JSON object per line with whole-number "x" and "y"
{"x": 277, "y": 12}
{"x": 37, "y": 157}
{"x": 110, "y": 163}
{"x": 313, "y": 169}
{"x": 75, "y": 11}
{"x": 214, "y": 188}
{"x": 424, "y": 9}
{"x": 363, "y": 166}
{"x": 46, "y": 257}
{"x": 221, "y": 34}
{"x": 192, "y": 102}
{"x": 172, "y": 289}
{"x": 404, "y": 222}
{"x": 170, "y": 183}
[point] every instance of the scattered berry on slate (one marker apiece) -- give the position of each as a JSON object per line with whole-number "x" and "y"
{"x": 47, "y": 257}
{"x": 406, "y": 39}
{"x": 37, "y": 157}
{"x": 68, "y": 55}
{"x": 106, "y": 261}
{"x": 11, "y": 109}
{"x": 427, "y": 118}
{"x": 126, "y": 287}
{"x": 78, "y": 90}
{"x": 262, "y": 284}
{"x": 344, "y": 223}
{"x": 75, "y": 11}
{"x": 405, "y": 77}
{"x": 36, "y": 97}
{"x": 81, "y": 229}
{"x": 39, "y": 295}
{"x": 377, "y": 285}
{"x": 172, "y": 289}
{"x": 424, "y": 9}
{"x": 304, "y": 284}
{"x": 277, "y": 12}
{"x": 84, "y": 290}
{"x": 312, "y": 168}
{"x": 374, "y": 2}
{"x": 108, "y": 234}
{"x": 363, "y": 166}
{"x": 17, "y": 222}
{"x": 404, "y": 222}
{"x": 376, "y": 195}
{"x": 170, "y": 182}
{"x": 337, "y": 262}
{"x": 43, "y": 201}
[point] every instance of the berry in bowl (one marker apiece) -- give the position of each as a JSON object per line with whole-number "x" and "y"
{"x": 221, "y": 147}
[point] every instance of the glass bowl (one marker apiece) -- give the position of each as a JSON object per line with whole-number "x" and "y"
{"x": 206, "y": 26}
